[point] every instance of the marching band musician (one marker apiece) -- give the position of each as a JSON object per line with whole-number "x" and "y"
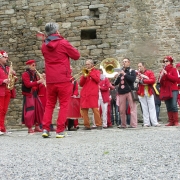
{"x": 43, "y": 97}
{"x": 169, "y": 90}
{"x": 145, "y": 94}
{"x": 57, "y": 53}
{"x": 178, "y": 72}
{"x": 73, "y": 111}
{"x": 5, "y": 93}
{"x": 33, "y": 111}
{"x": 103, "y": 100}
{"x": 125, "y": 79}
{"x": 89, "y": 95}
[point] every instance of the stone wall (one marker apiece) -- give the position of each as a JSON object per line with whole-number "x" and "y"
{"x": 143, "y": 30}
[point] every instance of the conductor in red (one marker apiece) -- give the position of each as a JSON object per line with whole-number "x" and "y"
{"x": 57, "y": 52}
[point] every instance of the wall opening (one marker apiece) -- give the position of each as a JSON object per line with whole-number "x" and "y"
{"x": 88, "y": 34}
{"x": 94, "y": 13}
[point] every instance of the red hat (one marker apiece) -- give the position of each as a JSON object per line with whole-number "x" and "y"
{"x": 169, "y": 58}
{"x": 31, "y": 61}
{"x": 178, "y": 65}
{"x": 3, "y": 54}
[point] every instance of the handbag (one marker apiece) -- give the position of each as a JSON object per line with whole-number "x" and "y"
{"x": 165, "y": 93}
{"x": 133, "y": 93}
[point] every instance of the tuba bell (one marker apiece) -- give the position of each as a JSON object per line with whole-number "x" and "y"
{"x": 108, "y": 65}
{"x": 12, "y": 78}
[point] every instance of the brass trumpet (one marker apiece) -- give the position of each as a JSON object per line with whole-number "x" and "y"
{"x": 41, "y": 77}
{"x": 84, "y": 71}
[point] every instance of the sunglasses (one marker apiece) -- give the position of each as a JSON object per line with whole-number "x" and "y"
{"x": 165, "y": 61}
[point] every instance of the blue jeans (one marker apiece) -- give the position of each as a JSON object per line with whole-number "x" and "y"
{"x": 171, "y": 104}
{"x": 157, "y": 110}
{"x": 115, "y": 110}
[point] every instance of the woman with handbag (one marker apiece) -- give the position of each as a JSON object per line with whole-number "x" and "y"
{"x": 169, "y": 90}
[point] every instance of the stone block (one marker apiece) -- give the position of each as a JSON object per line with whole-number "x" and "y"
{"x": 100, "y": 22}
{"x": 103, "y": 10}
{"x": 5, "y": 22}
{"x": 90, "y": 22}
{"x": 92, "y": 47}
{"x": 73, "y": 38}
{"x": 81, "y": 17}
{"x": 109, "y": 51}
{"x": 82, "y": 7}
{"x": 85, "y": 52}
{"x": 95, "y": 6}
{"x": 85, "y": 12}
{"x": 76, "y": 43}
{"x": 66, "y": 25}
{"x": 9, "y": 11}
{"x": 96, "y": 52}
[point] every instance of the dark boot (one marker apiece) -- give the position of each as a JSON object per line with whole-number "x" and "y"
{"x": 171, "y": 121}
{"x": 70, "y": 125}
{"x": 175, "y": 119}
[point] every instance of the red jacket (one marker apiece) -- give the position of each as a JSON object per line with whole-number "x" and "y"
{"x": 90, "y": 91}
{"x": 148, "y": 82}
{"x": 104, "y": 88}
{"x": 3, "y": 76}
{"x": 170, "y": 79}
{"x": 28, "y": 83}
{"x": 57, "y": 53}
{"x": 75, "y": 88}
{"x": 3, "y": 86}
{"x": 42, "y": 94}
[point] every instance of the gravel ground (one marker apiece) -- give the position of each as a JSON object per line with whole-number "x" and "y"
{"x": 142, "y": 153}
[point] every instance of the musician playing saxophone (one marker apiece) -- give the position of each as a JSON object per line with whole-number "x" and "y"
{"x": 33, "y": 110}
{"x": 5, "y": 93}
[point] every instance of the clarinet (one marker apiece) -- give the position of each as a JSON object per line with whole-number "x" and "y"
{"x": 118, "y": 75}
{"x": 160, "y": 76}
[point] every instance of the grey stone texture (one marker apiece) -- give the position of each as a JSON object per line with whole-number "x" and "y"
{"x": 143, "y": 30}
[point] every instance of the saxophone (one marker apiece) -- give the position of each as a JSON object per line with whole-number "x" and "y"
{"x": 41, "y": 77}
{"x": 11, "y": 77}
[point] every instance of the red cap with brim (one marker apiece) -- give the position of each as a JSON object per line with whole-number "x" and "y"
{"x": 31, "y": 61}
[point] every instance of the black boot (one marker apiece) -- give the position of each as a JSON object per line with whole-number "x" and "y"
{"x": 70, "y": 125}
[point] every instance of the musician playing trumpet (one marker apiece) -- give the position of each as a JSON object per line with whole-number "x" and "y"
{"x": 5, "y": 93}
{"x": 89, "y": 95}
{"x": 33, "y": 110}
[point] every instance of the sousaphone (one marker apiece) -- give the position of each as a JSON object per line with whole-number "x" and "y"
{"x": 108, "y": 65}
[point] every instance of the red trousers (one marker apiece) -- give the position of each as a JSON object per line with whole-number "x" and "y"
{"x": 62, "y": 92}
{"x": 4, "y": 102}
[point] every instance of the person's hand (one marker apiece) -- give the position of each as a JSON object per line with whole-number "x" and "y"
{"x": 6, "y": 81}
{"x": 40, "y": 81}
{"x": 122, "y": 72}
{"x": 164, "y": 71}
{"x": 43, "y": 75}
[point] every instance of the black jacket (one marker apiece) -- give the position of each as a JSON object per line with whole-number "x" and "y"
{"x": 129, "y": 79}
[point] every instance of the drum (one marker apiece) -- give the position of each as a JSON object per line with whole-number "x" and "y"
{"x": 74, "y": 108}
